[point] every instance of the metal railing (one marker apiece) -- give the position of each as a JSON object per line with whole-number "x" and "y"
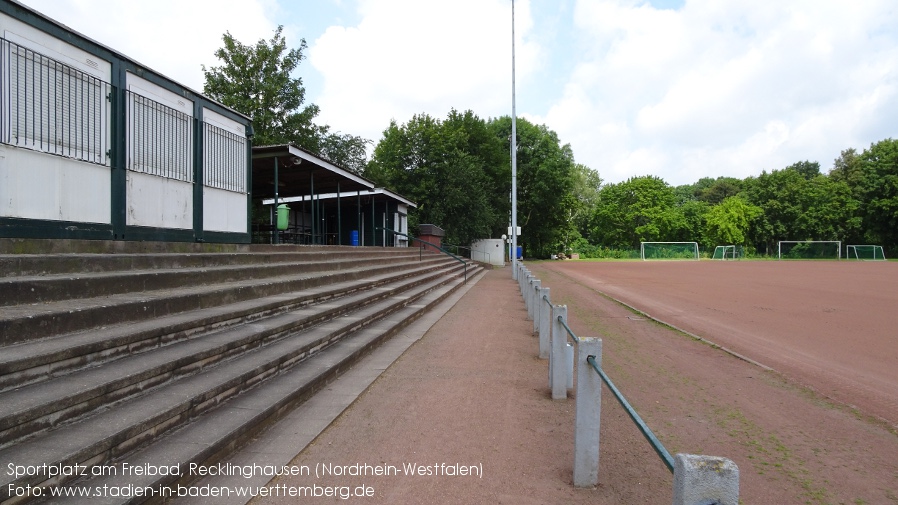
{"x": 488, "y": 258}
{"x": 697, "y": 479}
{"x": 160, "y": 139}
{"x": 224, "y": 159}
{"x": 426, "y": 243}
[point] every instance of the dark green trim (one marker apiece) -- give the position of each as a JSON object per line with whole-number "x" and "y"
{"x": 11, "y": 227}
{"x": 221, "y": 237}
{"x": 118, "y": 146}
{"x": 158, "y": 234}
{"x": 198, "y": 175}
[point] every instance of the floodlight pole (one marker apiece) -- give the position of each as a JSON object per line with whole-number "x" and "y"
{"x": 514, "y": 164}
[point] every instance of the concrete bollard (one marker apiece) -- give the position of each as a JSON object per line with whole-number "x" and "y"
{"x": 701, "y": 480}
{"x": 557, "y": 366}
{"x": 545, "y": 324}
{"x": 528, "y": 295}
{"x": 537, "y": 306}
{"x": 588, "y": 414}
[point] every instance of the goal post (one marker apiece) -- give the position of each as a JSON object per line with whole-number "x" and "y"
{"x": 809, "y": 249}
{"x": 865, "y": 252}
{"x": 725, "y": 252}
{"x": 668, "y": 250}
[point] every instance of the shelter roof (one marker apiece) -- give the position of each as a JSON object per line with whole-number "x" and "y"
{"x": 299, "y": 173}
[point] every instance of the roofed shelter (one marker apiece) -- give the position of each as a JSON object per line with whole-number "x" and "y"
{"x": 328, "y": 204}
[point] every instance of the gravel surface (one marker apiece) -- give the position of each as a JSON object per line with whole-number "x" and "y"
{"x": 472, "y": 397}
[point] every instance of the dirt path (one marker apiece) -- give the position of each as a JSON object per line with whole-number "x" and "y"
{"x": 472, "y": 392}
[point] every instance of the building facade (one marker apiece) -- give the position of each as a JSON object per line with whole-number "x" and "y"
{"x": 93, "y": 145}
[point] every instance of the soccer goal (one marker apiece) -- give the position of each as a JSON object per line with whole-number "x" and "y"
{"x": 865, "y": 252}
{"x": 809, "y": 249}
{"x": 668, "y": 250}
{"x": 726, "y": 252}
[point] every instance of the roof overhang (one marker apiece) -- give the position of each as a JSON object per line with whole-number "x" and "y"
{"x": 343, "y": 194}
{"x": 300, "y": 173}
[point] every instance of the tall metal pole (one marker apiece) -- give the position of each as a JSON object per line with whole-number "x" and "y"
{"x": 514, "y": 163}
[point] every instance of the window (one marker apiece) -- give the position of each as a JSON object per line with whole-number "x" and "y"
{"x": 160, "y": 139}
{"x": 224, "y": 159}
{"x": 53, "y": 107}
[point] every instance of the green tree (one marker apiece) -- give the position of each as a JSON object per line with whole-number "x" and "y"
{"x": 639, "y": 209}
{"x": 729, "y": 222}
{"x": 441, "y": 166}
{"x": 256, "y": 80}
{"x": 545, "y": 182}
{"x": 800, "y": 208}
{"x": 879, "y": 192}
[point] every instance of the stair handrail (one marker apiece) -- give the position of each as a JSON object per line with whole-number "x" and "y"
{"x": 435, "y": 246}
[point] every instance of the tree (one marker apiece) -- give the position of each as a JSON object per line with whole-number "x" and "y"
{"x": 807, "y": 169}
{"x": 441, "y": 166}
{"x": 728, "y": 222}
{"x": 255, "y": 80}
{"x": 545, "y": 181}
{"x": 879, "y": 192}
{"x": 637, "y": 210}
{"x": 800, "y": 208}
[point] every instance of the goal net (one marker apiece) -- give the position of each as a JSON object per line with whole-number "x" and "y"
{"x": 865, "y": 252}
{"x": 668, "y": 250}
{"x": 727, "y": 252}
{"x": 809, "y": 249}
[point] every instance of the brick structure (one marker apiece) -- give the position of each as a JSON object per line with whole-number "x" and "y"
{"x": 431, "y": 233}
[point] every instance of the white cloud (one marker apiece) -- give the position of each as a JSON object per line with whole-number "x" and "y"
{"x": 173, "y": 37}
{"x": 727, "y": 88}
{"x": 407, "y": 57}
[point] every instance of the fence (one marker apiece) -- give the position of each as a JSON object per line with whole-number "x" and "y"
{"x": 698, "y": 480}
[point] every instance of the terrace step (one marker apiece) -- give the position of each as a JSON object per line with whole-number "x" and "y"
{"x": 28, "y": 321}
{"x": 189, "y": 373}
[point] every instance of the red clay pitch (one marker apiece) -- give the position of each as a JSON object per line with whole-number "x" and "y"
{"x": 828, "y": 325}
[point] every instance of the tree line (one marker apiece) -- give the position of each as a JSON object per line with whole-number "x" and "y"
{"x": 458, "y": 170}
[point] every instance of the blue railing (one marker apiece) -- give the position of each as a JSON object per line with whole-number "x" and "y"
{"x": 697, "y": 479}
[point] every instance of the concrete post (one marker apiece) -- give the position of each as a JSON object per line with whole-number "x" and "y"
{"x": 528, "y": 295}
{"x": 545, "y": 324}
{"x": 557, "y": 362}
{"x": 699, "y": 480}
{"x": 588, "y": 414}
{"x": 534, "y": 301}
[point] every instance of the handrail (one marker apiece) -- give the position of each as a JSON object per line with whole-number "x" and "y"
{"x": 463, "y": 262}
{"x": 569, "y": 330}
{"x": 471, "y": 251}
{"x": 646, "y": 431}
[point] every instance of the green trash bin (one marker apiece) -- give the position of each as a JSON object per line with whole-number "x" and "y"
{"x": 283, "y": 216}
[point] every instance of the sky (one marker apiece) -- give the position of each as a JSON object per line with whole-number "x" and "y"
{"x": 678, "y": 89}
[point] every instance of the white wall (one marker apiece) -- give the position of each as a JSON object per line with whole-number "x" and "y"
{"x": 224, "y": 210}
{"x": 159, "y": 202}
{"x": 35, "y": 185}
{"x": 490, "y": 251}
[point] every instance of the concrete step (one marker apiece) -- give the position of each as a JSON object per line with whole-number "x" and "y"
{"x": 22, "y": 323}
{"x": 32, "y": 361}
{"x": 230, "y": 401}
{"x": 34, "y": 289}
{"x": 18, "y": 265}
{"x": 35, "y": 408}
